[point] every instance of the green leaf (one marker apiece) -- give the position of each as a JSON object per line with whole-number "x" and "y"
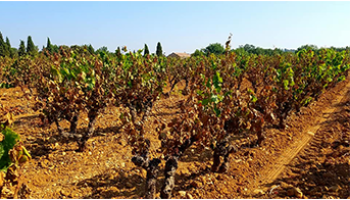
{"x": 217, "y": 111}
{"x": 215, "y": 99}
{"x": 217, "y": 80}
{"x": 285, "y": 84}
{"x": 11, "y": 138}
{"x": 341, "y": 78}
{"x": 205, "y": 102}
{"x": 253, "y": 98}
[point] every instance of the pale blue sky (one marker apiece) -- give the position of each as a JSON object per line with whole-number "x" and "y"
{"x": 179, "y": 26}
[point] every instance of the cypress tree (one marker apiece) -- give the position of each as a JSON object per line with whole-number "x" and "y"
{"x": 118, "y": 52}
{"x": 14, "y": 52}
{"x": 9, "y": 50}
{"x": 3, "y": 46}
{"x": 146, "y": 51}
{"x": 22, "y": 49}
{"x": 49, "y": 46}
{"x": 31, "y": 49}
{"x": 91, "y": 49}
{"x": 159, "y": 51}
{"x": 8, "y": 43}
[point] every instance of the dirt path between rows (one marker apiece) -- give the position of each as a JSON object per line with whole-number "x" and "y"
{"x": 322, "y": 167}
{"x": 273, "y": 171}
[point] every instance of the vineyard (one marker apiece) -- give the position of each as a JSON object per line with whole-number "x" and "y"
{"x": 82, "y": 125}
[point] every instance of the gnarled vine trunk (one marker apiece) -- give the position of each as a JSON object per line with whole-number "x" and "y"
{"x": 92, "y": 115}
{"x": 152, "y": 168}
{"x": 222, "y": 149}
{"x": 171, "y": 166}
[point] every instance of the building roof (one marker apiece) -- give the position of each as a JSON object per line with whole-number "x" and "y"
{"x": 182, "y": 55}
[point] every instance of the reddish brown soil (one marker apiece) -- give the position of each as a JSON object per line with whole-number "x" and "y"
{"x": 303, "y": 156}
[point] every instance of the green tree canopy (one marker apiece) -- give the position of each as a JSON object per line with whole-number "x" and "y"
{"x": 197, "y": 53}
{"x": 146, "y": 51}
{"x": 4, "y": 49}
{"x": 159, "y": 51}
{"x": 104, "y": 49}
{"x": 308, "y": 47}
{"x": 9, "y": 49}
{"x": 118, "y": 52}
{"x": 49, "y": 46}
{"x": 31, "y": 48}
{"x": 91, "y": 49}
{"x": 14, "y": 52}
{"x": 249, "y": 48}
{"x": 22, "y": 49}
{"x": 215, "y": 48}
{"x": 8, "y": 43}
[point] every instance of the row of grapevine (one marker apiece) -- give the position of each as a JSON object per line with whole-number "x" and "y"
{"x": 217, "y": 105}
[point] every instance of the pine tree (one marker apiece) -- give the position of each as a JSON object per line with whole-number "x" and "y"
{"x": 22, "y": 49}
{"x": 49, "y": 46}
{"x": 159, "y": 51}
{"x": 31, "y": 49}
{"x": 146, "y": 51}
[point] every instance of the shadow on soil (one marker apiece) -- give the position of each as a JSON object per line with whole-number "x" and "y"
{"x": 42, "y": 146}
{"x": 106, "y": 186}
{"x": 181, "y": 179}
{"x": 320, "y": 181}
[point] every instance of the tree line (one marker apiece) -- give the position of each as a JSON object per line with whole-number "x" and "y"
{"x": 30, "y": 49}
{"x": 215, "y": 48}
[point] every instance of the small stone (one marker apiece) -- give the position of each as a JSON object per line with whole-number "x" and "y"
{"x": 295, "y": 192}
{"x": 189, "y": 196}
{"x": 285, "y": 185}
{"x": 30, "y": 138}
{"x": 259, "y": 192}
{"x": 182, "y": 193}
{"x": 122, "y": 164}
{"x": 64, "y": 193}
{"x": 299, "y": 194}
